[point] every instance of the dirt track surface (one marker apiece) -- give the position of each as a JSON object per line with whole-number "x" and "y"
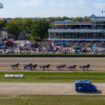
{"x": 96, "y": 63}
{"x": 43, "y": 89}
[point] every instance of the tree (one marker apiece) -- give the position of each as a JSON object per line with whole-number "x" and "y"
{"x": 37, "y": 28}
{"x": 79, "y": 19}
{"x": 15, "y": 27}
{"x": 28, "y": 25}
{"x": 40, "y": 29}
{"x": 2, "y": 23}
{"x": 65, "y": 18}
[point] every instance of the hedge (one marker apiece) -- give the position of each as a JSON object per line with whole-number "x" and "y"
{"x": 52, "y": 55}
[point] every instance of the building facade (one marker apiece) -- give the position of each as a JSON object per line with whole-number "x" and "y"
{"x": 67, "y": 30}
{"x": 3, "y": 34}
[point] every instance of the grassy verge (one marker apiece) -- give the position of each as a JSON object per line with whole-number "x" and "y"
{"x": 54, "y": 77}
{"x": 52, "y": 100}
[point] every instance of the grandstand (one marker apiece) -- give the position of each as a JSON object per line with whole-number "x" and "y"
{"x": 68, "y": 30}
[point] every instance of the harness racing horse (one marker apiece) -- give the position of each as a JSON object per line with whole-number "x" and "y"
{"x": 85, "y": 67}
{"x": 15, "y": 66}
{"x": 72, "y": 67}
{"x": 28, "y": 66}
{"x": 33, "y": 66}
{"x": 45, "y": 67}
{"x": 60, "y": 67}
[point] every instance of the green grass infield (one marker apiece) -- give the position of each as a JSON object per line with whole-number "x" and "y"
{"x": 52, "y": 100}
{"x": 54, "y": 76}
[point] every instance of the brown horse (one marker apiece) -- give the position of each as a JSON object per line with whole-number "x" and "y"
{"x": 72, "y": 67}
{"x": 85, "y": 67}
{"x": 15, "y": 66}
{"x": 60, "y": 67}
{"x": 45, "y": 67}
{"x": 28, "y": 66}
{"x": 33, "y": 67}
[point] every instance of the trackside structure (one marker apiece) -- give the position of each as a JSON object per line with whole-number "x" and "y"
{"x": 67, "y": 30}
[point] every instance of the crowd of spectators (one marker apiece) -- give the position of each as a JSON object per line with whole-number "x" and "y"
{"x": 71, "y": 47}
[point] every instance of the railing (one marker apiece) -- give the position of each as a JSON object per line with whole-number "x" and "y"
{"x": 76, "y": 39}
{"x": 78, "y": 30}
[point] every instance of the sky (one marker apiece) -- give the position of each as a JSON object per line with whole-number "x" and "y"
{"x": 51, "y": 8}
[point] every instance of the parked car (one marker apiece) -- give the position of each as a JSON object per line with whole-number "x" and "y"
{"x": 85, "y": 86}
{"x": 9, "y": 42}
{"x": 2, "y": 46}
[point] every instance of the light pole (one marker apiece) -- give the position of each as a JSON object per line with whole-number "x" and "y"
{"x": 103, "y": 13}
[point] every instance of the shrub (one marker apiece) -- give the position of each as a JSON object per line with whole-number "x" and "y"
{"x": 52, "y": 55}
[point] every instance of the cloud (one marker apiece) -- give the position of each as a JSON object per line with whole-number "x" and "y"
{"x": 60, "y": 3}
{"x": 67, "y": 2}
{"x": 30, "y": 2}
{"x": 99, "y": 5}
{"x": 64, "y": 7}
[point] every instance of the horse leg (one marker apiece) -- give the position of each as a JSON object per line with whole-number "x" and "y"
{"x": 44, "y": 69}
{"x": 13, "y": 68}
{"x": 84, "y": 69}
{"x": 57, "y": 68}
{"x": 41, "y": 68}
{"x": 75, "y": 68}
{"x": 34, "y": 68}
{"x": 61, "y": 68}
{"x": 25, "y": 67}
{"x": 48, "y": 68}
{"x": 31, "y": 68}
{"x": 69, "y": 68}
{"x": 17, "y": 67}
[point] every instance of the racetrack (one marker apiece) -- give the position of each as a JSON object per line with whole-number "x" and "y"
{"x": 97, "y": 64}
{"x": 44, "y": 89}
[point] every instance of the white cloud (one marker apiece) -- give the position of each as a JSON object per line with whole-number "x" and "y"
{"x": 30, "y": 2}
{"x": 62, "y": 7}
{"x": 51, "y": 2}
{"x": 68, "y": 2}
{"x": 99, "y": 5}
{"x": 80, "y": 1}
